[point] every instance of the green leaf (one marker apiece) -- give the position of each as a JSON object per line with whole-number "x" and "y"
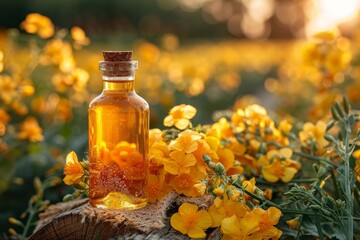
{"x": 333, "y": 231}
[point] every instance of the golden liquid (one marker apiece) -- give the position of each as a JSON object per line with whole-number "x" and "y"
{"x": 118, "y": 147}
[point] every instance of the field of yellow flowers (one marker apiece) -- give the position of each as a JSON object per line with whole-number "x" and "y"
{"x": 269, "y": 129}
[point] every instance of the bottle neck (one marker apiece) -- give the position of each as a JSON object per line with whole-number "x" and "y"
{"x": 118, "y": 75}
{"x": 119, "y": 86}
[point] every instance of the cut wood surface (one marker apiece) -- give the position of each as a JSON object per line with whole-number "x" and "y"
{"x": 78, "y": 220}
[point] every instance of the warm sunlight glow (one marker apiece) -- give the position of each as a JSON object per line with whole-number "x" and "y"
{"x": 328, "y": 14}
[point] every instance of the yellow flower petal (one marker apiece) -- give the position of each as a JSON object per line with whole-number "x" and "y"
{"x": 226, "y": 158}
{"x": 189, "y": 160}
{"x": 231, "y": 226}
{"x": 171, "y": 166}
{"x": 182, "y": 123}
{"x": 177, "y": 223}
{"x": 204, "y": 219}
{"x": 271, "y": 154}
{"x": 286, "y": 152}
{"x": 169, "y": 121}
{"x": 217, "y": 215}
{"x": 293, "y": 223}
{"x": 249, "y": 224}
{"x": 196, "y": 232}
{"x": 268, "y": 175}
{"x": 71, "y": 158}
{"x": 187, "y": 208}
{"x": 356, "y": 154}
{"x": 189, "y": 111}
{"x": 288, "y": 174}
{"x": 274, "y": 214}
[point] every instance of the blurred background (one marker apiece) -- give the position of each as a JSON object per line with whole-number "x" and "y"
{"x": 216, "y": 55}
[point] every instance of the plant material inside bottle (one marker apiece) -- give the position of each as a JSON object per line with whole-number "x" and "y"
{"x": 118, "y": 141}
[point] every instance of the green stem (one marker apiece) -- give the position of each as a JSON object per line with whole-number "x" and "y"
{"x": 272, "y": 204}
{"x": 315, "y": 158}
{"x": 32, "y": 213}
{"x": 318, "y": 226}
{"x": 306, "y": 180}
{"x": 336, "y": 186}
{"x": 347, "y": 185}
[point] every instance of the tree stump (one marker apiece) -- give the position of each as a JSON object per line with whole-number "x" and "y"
{"x": 78, "y": 220}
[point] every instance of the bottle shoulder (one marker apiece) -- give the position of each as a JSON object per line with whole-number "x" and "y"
{"x": 119, "y": 99}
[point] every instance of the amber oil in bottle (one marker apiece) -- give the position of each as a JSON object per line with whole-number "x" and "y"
{"x": 118, "y": 137}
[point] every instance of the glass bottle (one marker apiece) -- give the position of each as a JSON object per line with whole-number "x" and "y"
{"x": 118, "y": 137}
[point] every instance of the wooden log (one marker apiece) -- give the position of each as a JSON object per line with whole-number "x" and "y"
{"x": 78, "y": 220}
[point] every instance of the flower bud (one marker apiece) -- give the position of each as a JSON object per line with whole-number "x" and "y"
{"x": 219, "y": 169}
{"x": 200, "y": 188}
{"x": 206, "y": 158}
{"x": 219, "y": 190}
{"x": 12, "y": 232}
{"x": 67, "y": 197}
{"x": 15, "y": 221}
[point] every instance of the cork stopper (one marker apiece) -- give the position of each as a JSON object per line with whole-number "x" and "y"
{"x": 117, "y": 56}
{"x": 118, "y": 66}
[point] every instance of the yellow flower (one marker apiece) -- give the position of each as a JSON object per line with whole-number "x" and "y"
{"x": 73, "y": 170}
{"x": 356, "y": 155}
{"x": 238, "y": 119}
{"x": 19, "y": 107}
{"x": 249, "y": 185}
{"x": 188, "y": 220}
{"x": 293, "y": 223}
{"x": 184, "y": 182}
{"x": 7, "y": 89}
{"x": 327, "y": 36}
{"x": 223, "y": 129}
{"x": 250, "y": 163}
{"x": 234, "y": 193}
{"x": 256, "y": 115}
{"x": 156, "y": 187}
{"x": 129, "y": 160}
{"x": 284, "y": 129}
{"x": 203, "y": 148}
{"x": 237, "y": 148}
{"x": 337, "y": 60}
{"x": 313, "y": 132}
{"x": 179, "y": 162}
{"x": 268, "y": 193}
{"x": 219, "y": 191}
{"x": 158, "y": 153}
{"x": 39, "y": 24}
{"x": 180, "y": 116}
{"x": 30, "y": 130}
{"x": 155, "y": 135}
{"x": 278, "y": 165}
{"x": 242, "y": 229}
{"x": 225, "y": 207}
{"x": 58, "y": 52}
{"x": 1, "y": 61}
{"x": 79, "y": 37}
{"x": 226, "y": 158}
{"x": 200, "y": 188}
{"x": 4, "y": 118}
{"x": 149, "y": 52}
{"x": 104, "y": 153}
{"x": 186, "y": 141}
{"x": 267, "y": 219}
{"x": 77, "y": 79}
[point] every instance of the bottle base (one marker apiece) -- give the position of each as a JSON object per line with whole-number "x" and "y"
{"x": 117, "y": 201}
